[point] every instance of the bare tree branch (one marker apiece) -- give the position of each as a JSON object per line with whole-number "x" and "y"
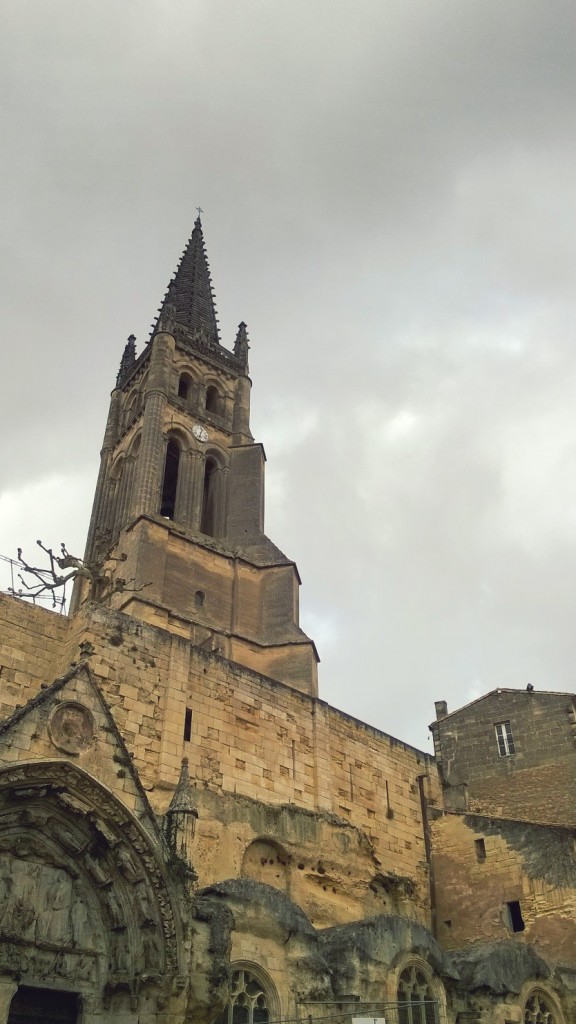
{"x": 51, "y": 579}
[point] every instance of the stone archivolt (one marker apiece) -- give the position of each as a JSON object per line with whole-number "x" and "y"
{"x": 85, "y": 898}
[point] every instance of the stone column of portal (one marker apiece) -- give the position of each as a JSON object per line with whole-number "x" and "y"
{"x": 8, "y": 987}
{"x": 152, "y": 448}
{"x": 196, "y": 488}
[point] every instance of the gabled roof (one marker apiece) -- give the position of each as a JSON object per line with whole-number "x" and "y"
{"x": 504, "y": 689}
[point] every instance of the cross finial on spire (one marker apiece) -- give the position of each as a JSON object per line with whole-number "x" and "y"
{"x": 200, "y": 211}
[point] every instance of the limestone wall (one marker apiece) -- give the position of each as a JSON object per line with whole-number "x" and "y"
{"x": 482, "y": 865}
{"x": 31, "y": 644}
{"x": 259, "y": 742}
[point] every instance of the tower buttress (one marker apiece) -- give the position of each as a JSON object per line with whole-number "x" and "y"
{"x": 180, "y": 491}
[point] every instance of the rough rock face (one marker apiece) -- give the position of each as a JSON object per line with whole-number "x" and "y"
{"x": 360, "y": 953}
{"x": 263, "y": 911}
{"x": 211, "y": 927}
{"x": 499, "y": 967}
{"x": 264, "y": 907}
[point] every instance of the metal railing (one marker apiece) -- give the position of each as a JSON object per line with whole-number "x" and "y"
{"x": 10, "y": 584}
{"x": 348, "y": 1010}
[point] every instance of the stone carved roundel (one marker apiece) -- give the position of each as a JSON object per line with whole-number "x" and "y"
{"x": 72, "y": 727}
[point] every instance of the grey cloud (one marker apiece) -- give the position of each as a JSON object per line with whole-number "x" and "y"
{"x": 389, "y": 202}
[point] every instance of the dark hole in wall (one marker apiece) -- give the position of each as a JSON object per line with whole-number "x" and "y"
{"x": 188, "y": 725}
{"x": 515, "y": 914}
{"x": 43, "y": 1005}
{"x": 480, "y": 847}
{"x": 170, "y": 482}
{"x": 213, "y": 403}
{"x": 208, "y": 518}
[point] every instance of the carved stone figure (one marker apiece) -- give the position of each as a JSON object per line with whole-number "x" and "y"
{"x": 145, "y": 911}
{"x": 18, "y": 908}
{"x": 5, "y": 879}
{"x": 81, "y": 931}
{"x": 151, "y": 950}
{"x": 120, "y": 952}
{"x": 83, "y": 969}
{"x": 71, "y": 842}
{"x": 97, "y": 869}
{"x": 126, "y": 864}
{"x": 54, "y": 917}
{"x": 116, "y": 913}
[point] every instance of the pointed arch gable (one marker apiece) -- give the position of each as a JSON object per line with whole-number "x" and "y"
{"x": 69, "y": 841}
{"x": 100, "y": 757}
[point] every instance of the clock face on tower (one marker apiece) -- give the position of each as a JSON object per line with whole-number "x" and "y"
{"x": 200, "y": 433}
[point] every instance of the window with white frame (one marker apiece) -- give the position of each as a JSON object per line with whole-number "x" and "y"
{"x": 505, "y": 739}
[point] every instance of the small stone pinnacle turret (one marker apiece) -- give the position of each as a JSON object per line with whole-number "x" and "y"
{"x": 127, "y": 361}
{"x": 241, "y": 345}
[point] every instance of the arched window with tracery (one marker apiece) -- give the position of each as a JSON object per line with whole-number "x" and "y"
{"x": 416, "y": 1001}
{"x": 251, "y": 1001}
{"x": 538, "y": 1010}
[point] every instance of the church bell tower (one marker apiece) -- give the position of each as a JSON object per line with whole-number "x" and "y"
{"x": 180, "y": 493}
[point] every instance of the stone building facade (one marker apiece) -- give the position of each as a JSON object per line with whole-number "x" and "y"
{"x": 187, "y": 831}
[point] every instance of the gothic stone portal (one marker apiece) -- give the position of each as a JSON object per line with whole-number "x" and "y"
{"x": 84, "y": 911}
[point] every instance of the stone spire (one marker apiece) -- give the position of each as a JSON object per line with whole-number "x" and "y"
{"x": 190, "y": 295}
{"x": 127, "y": 361}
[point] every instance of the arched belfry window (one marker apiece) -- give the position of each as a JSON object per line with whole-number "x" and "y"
{"x": 184, "y": 385}
{"x": 251, "y": 1001}
{"x": 170, "y": 481}
{"x": 213, "y": 400}
{"x": 416, "y": 1001}
{"x": 132, "y": 408}
{"x": 208, "y": 519}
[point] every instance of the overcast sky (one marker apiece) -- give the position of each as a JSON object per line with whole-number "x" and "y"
{"x": 389, "y": 196}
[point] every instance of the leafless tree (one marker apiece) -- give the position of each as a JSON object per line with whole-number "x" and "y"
{"x": 52, "y": 579}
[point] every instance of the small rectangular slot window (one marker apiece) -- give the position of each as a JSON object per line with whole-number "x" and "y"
{"x": 505, "y": 739}
{"x": 188, "y": 725}
{"x": 480, "y": 847}
{"x": 515, "y": 914}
